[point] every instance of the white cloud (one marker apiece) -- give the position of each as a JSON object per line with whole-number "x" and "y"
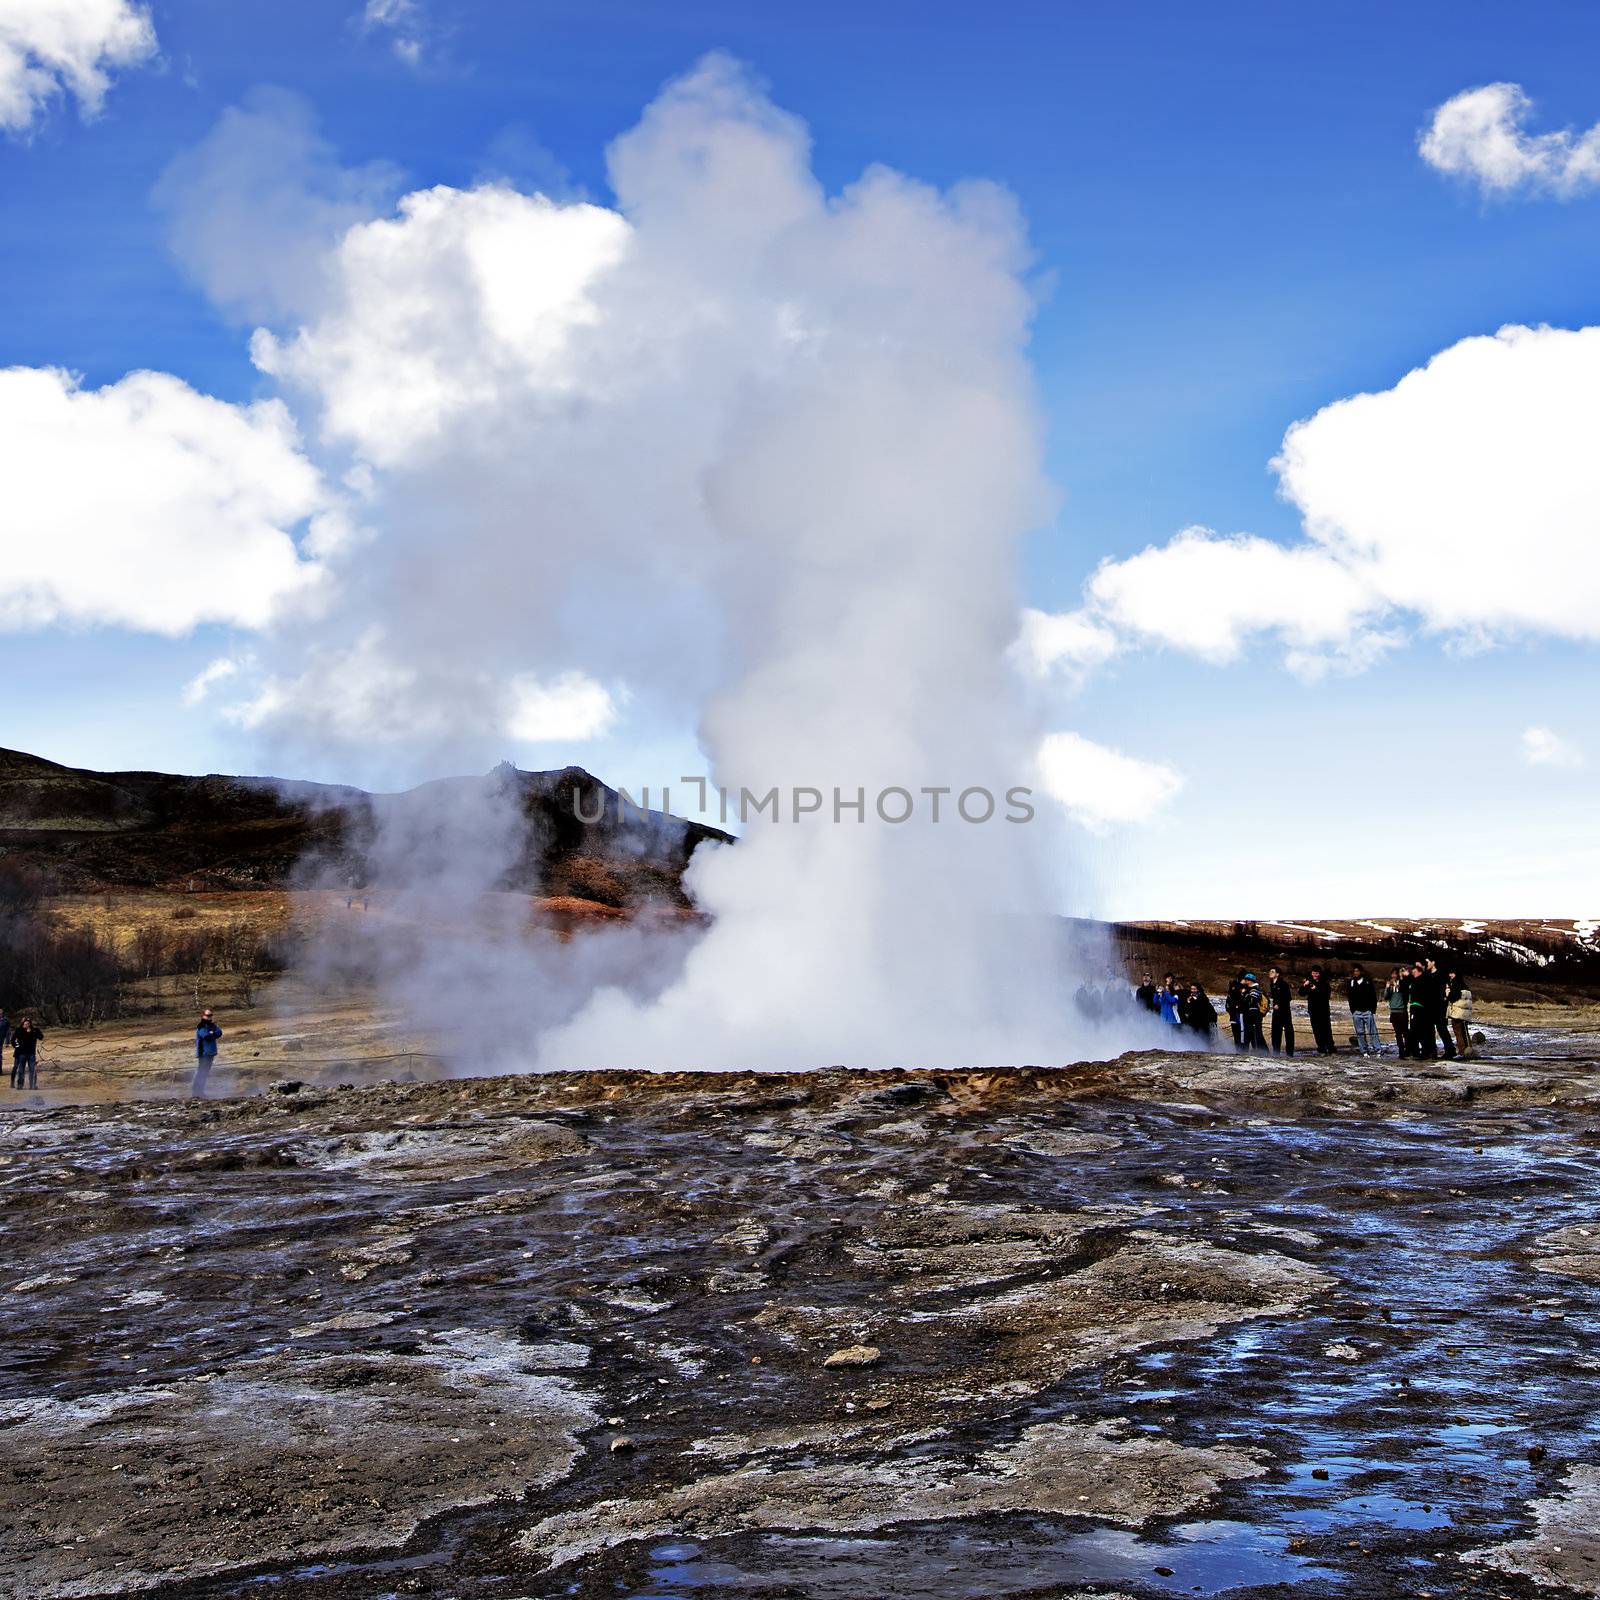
{"x": 1479, "y": 135}
{"x": 571, "y": 707}
{"x": 1464, "y": 501}
{"x": 1208, "y": 594}
{"x": 256, "y": 208}
{"x": 51, "y": 47}
{"x": 406, "y": 24}
{"x": 1067, "y": 644}
{"x": 1541, "y": 747}
{"x": 149, "y": 506}
{"x": 1101, "y": 787}
{"x": 207, "y": 678}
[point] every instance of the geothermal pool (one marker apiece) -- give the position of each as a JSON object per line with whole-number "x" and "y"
{"x": 1170, "y": 1326}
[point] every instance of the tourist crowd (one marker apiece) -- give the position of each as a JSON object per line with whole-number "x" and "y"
{"x": 1429, "y": 1009}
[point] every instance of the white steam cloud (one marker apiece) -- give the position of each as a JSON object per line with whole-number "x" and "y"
{"x": 735, "y": 448}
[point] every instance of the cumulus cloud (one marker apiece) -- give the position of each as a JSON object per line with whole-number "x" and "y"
{"x": 1479, "y": 135}
{"x": 1067, "y": 644}
{"x": 1464, "y": 501}
{"x": 255, "y": 209}
{"x": 1542, "y": 747}
{"x": 51, "y": 47}
{"x": 1101, "y": 787}
{"x": 146, "y": 505}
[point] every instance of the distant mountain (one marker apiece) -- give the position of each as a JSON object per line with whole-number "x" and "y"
{"x": 569, "y": 833}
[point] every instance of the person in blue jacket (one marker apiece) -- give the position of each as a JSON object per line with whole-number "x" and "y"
{"x": 206, "y": 1034}
{"x": 1170, "y": 1001}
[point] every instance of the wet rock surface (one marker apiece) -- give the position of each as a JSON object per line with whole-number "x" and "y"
{"x": 1167, "y": 1326}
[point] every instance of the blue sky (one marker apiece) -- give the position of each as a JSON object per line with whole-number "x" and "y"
{"x": 1232, "y": 228}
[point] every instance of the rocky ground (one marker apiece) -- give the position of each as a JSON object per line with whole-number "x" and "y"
{"x": 1175, "y": 1324}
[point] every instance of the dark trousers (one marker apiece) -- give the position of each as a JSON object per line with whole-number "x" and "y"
{"x": 1250, "y": 1019}
{"x": 1397, "y": 1021}
{"x": 1420, "y": 1035}
{"x": 1283, "y": 1032}
{"x": 1238, "y": 1031}
{"x": 1444, "y": 1036}
{"x": 1322, "y": 1032}
{"x": 202, "y": 1071}
{"x": 24, "y": 1070}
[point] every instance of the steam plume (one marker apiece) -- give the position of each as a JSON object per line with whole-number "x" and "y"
{"x": 748, "y": 452}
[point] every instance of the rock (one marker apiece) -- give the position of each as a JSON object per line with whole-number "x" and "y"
{"x": 1340, "y": 1351}
{"x": 288, "y": 1086}
{"x": 621, "y": 1444}
{"x": 855, "y": 1355}
{"x": 1320, "y": 1473}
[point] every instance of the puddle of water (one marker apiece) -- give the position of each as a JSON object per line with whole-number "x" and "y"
{"x": 1388, "y": 1510}
{"x": 1205, "y": 1558}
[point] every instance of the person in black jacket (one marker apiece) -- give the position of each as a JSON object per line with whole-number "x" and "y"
{"x": 1282, "y": 1012}
{"x": 1438, "y": 1009}
{"x": 1145, "y": 994}
{"x": 1363, "y": 994}
{"x": 1250, "y": 1013}
{"x": 1198, "y": 1012}
{"x": 1318, "y": 994}
{"x": 1233, "y": 1004}
{"x": 1419, "y": 1031}
{"x": 25, "y": 1040}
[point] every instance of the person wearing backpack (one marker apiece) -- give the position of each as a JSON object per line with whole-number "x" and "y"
{"x": 1251, "y": 1005}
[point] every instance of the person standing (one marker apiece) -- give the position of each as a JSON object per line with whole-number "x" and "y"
{"x": 25, "y": 1040}
{"x": 1395, "y": 993}
{"x": 1438, "y": 1009}
{"x": 1250, "y": 1006}
{"x": 1282, "y": 1003}
{"x": 1145, "y": 994}
{"x": 1170, "y": 1002}
{"x": 1199, "y": 1013}
{"x": 1233, "y": 1004}
{"x": 206, "y": 1034}
{"x": 5, "y": 1029}
{"x": 1363, "y": 994}
{"x": 1458, "y": 1008}
{"x": 1419, "y": 1030}
{"x": 1318, "y": 994}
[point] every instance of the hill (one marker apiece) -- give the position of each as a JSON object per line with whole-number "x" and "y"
{"x": 89, "y": 832}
